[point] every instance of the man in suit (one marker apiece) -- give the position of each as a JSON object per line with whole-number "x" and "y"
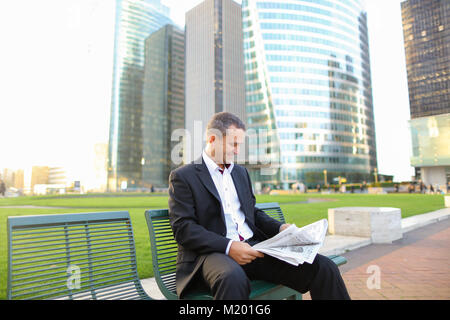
{"x": 215, "y": 223}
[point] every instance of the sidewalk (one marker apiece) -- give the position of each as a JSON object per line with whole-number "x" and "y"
{"x": 414, "y": 267}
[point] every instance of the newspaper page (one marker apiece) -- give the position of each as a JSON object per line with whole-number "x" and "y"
{"x": 296, "y": 245}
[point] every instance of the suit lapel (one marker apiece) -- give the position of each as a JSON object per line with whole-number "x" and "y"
{"x": 205, "y": 178}
{"x": 239, "y": 184}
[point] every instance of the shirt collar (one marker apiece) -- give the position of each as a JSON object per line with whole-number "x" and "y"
{"x": 211, "y": 165}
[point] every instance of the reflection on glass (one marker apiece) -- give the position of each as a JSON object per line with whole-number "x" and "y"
{"x": 430, "y": 141}
{"x": 308, "y": 83}
{"x": 135, "y": 21}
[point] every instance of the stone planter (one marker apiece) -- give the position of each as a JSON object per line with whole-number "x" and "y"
{"x": 382, "y": 225}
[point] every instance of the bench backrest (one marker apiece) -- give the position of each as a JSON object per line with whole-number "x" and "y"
{"x": 164, "y": 247}
{"x": 72, "y": 256}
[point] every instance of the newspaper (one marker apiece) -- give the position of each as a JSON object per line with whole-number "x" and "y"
{"x": 296, "y": 245}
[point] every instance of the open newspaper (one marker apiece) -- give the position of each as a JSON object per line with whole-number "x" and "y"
{"x": 296, "y": 245}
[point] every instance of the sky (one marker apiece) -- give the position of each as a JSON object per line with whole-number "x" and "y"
{"x": 56, "y": 75}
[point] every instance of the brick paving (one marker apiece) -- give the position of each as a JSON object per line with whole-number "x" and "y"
{"x": 416, "y": 267}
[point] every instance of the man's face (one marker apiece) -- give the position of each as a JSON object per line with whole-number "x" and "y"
{"x": 227, "y": 147}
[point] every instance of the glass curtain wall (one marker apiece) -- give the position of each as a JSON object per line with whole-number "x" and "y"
{"x": 308, "y": 85}
{"x": 135, "y": 21}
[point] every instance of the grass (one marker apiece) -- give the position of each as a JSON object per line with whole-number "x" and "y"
{"x": 295, "y": 209}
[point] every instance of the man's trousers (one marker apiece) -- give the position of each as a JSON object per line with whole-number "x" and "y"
{"x": 228, "y": 280}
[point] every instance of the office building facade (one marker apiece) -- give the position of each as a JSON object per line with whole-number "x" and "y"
{"x": 426, "y": 33}
{"x": 308, "y": 86}
{"x": 163, "y": 103}
{"x": 135, "y": 21}
{"x": 214, "y": 68}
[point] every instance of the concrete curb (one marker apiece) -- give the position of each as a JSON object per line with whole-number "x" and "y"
{"x": 337, "y": 244}
{"x": 414, "y": 222}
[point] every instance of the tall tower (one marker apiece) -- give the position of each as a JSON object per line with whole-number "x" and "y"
{"x": 214, "y": 67}
{"x": 426, "y": 31}
{"x": 308, "y": 84}
{"x": 163, "y": 104}
{"x": 426, "y": 34}
{"x": 135, "y": 21}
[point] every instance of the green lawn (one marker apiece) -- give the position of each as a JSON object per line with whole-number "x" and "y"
{"x": 295, "y": 212}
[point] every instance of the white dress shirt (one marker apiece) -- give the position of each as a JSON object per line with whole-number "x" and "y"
{"x": 234, "y": 216}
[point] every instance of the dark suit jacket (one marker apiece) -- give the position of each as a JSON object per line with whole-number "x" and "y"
{"x": 197, "y": 217}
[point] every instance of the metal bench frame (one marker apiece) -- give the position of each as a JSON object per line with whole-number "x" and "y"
{"x": 164, "y": 253}
{"x": 73, "y": 256}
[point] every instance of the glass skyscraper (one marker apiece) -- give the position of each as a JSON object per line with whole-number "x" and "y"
{"x": 426, "y": 34}
{"x": 308, "y": 84}
{"x": 163, "y": 103}
{"x": 135, "y": 21}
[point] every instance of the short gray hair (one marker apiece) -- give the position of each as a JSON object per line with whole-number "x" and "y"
{"x": 224, "y": 120}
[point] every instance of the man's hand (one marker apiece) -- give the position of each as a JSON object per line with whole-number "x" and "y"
{"x": 284, "y": 226}
{"x": 243, "y": 253}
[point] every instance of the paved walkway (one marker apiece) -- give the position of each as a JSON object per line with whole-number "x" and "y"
{"x": 414, "y": 267}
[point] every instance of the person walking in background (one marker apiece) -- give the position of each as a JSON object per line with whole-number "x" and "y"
{"x": 363, "y": 186}
{"x": 2, "y": 188}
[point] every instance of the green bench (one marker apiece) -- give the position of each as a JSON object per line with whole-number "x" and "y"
{"x": 164, "y": 255}
{"x": 73, "y": 256}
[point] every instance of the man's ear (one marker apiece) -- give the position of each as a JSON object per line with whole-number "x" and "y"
{"x": 212, "y": 138}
